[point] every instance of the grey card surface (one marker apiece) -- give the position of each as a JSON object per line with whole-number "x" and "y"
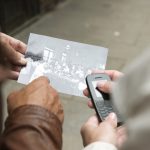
{"x": 65, "y": 63}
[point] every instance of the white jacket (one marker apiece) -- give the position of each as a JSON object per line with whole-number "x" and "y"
{"x": 100, "y": 146}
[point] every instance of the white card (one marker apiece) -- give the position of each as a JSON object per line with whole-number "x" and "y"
{"x": 65, "y": 63}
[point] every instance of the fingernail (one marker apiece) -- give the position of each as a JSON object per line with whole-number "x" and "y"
{"x": 23, "y": 61}
{"x": 112, "y": 116}
{"x": 100, "y": 84}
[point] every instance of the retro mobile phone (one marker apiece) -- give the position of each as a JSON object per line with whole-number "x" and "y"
{"x": 102, "y": 102}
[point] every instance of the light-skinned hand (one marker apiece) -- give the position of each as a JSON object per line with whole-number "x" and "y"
{"x": 93, "y": 131}
{"x": 120, "y": 132}
{"x": 12, "y": 55}
{"x": 106, "y": 131}
{"x": 104, "y": 86}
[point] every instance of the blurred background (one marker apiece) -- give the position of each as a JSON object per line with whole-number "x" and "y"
{"x": 123, "y": 26}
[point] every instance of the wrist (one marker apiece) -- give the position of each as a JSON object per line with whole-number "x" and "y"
{"x": 32, "y": 110}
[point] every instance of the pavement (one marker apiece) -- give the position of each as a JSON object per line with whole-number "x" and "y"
{"x": 121, "y": 26}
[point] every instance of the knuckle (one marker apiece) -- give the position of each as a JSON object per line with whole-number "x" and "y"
{"x": 106, "y": 85}
{"x": 55, "y": 94}
{"x": 62, "y": 116}
{"x": 44, "y": 79}
{"x": 3, "y": 40}
{"x": 18, "y": 43}
{"x": 41, "y": 81}
{"x": 61, "y": 109}
{"x": 11, "y": 96}
{"x": 60, "y": 112}
{"x": 82, "y": 129}
{"x": 21, "y": 45}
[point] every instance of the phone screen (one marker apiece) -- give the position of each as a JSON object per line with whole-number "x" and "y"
{"x": 94, "y": 83}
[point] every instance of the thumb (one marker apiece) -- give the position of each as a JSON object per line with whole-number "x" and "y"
{"x": 108, "y": 128}
{"x": 13, "y": 56}
{"x": 93, "y": 122}
{"x": 104, "y": 86}
{"x": 112, "y": 120}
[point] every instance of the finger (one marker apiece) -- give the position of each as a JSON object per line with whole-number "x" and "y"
{"x": 3, "y": 73}
{"x": 113, "y": 74}
{"x": 39, "y": 82}
{"x": 90, "y": 104}
{"x": 13, "y": 75}
{"x": 93, "y": 122}
{"x": 121, "y": 135}
{"x": 61, "y": 113}
{"x": 53, "y": 92}
{"x": 86, "y": 92}
{"x": 18, "y": 45}
{"x": 112, "y": 120}
{"x": 121, "y": 131}
{"x": 104, "y": 86}
{"x": 42, "y": 79}
{"x": 17, "y": 58}
{"x": 121, "y": 140}
{"x": 16, "y": 68}
{"x": 13, "y": 56}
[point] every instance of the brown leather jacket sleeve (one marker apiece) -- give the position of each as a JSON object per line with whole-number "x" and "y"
{"x": 32, "y": 128}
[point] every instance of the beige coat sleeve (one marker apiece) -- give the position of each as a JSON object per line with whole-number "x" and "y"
{"x": 132, "y": 97}
{"x": 100, "y": 146}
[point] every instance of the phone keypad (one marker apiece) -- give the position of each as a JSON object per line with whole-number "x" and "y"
{"x": 104, "y": 109}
